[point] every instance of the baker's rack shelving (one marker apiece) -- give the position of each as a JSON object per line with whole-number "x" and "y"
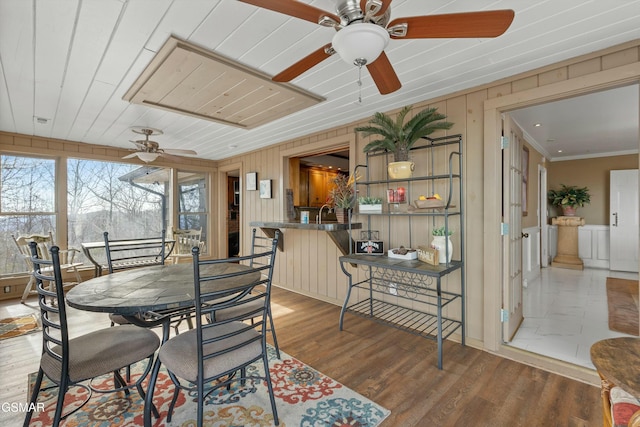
{"x": 409, "y": 294}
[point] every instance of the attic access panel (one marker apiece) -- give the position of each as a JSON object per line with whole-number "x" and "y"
{"x": 190, "y": 80}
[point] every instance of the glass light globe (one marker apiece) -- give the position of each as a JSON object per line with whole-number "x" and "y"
{"x": 362, "y": 41}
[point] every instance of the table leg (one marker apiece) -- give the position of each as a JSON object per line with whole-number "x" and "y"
{"x": 153, "y": 377}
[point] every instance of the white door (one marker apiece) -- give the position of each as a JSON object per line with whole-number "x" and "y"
{"x": 623, "y": 225}
{"x": 512, "y": 241}
{"x": 543, "y": 217}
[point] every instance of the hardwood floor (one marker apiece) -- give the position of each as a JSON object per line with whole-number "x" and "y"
{"x": 393, "y": 368}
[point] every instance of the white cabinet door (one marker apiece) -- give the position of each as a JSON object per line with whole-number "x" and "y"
{"x": 624, "y": 217}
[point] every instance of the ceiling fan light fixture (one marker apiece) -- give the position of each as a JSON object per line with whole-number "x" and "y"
{"x": 360, "y": 42}
{"x": 147, "y": 157}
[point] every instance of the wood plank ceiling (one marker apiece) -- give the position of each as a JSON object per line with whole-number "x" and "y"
{"x": 66, "y": 65}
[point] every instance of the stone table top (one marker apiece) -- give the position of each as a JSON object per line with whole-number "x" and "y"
{"x": 155, "y": 288}
{"x": 618, "y": 360}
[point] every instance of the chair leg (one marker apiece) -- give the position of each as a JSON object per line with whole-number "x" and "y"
{"x": 143, "y": 395}
{"x": 273, "y": 334}
{"x": 148, "y": 400}
{"x": 34, "y": 397}
{"x": 272, "y": 399}
{"x": 62, "y": 391}
{"x": 176, "y": 392}
{"x": 27, "y": 289}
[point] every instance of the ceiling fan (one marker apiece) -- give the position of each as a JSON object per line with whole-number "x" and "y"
{"x": 149, "y": 150}
{"x": 363, "y": 32}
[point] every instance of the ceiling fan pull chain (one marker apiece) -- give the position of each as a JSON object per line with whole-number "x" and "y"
{"x": 360, "y": 62}
{"x": 360, "y": 84}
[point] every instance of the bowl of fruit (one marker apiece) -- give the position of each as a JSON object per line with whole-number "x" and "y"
{"x": 431, "y": 202}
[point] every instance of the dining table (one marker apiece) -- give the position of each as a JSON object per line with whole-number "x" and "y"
{"x": 153, "y": 296}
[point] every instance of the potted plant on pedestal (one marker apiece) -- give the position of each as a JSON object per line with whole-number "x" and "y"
{"x": 343, "y": 196}
{"x": 398, "y": 137}
{"x": 568, "y": 198}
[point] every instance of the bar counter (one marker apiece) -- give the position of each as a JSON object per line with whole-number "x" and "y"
{"x": 339, "y": 232}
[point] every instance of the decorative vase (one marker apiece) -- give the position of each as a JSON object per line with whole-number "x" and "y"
{"x": 439, "y": 243}
{"x": 342, "y": 215}
{"x": 568, "y": 211}
{"x": 400, "y": 170}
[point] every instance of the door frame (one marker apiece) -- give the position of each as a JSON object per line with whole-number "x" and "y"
{"x": 543, "y": 216}
{"x": 493, "y": 109}
{"x": 223, "y": 189}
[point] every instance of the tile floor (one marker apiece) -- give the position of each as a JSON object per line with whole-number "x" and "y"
{"x": 565, "y": 312}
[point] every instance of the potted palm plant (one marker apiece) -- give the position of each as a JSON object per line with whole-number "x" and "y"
{"x": 398, "y": 137}
{"x": 568, "y": 198}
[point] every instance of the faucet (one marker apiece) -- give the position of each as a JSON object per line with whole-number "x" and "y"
{"x": 319, "y": 216}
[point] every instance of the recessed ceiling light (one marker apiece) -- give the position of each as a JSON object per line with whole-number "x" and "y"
{"x": 538, "y": 125}
{"x": 233, "y": 146}
{"x": 559, "y": 151}
{"x": 40, "y": 120}
{"x": 551, "y": 140}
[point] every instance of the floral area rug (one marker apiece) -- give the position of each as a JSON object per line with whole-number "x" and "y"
{"x": 16, "y": 326}
{"x": 304, "y": 397}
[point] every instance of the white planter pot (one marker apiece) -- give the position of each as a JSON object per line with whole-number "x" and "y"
{"x": 443, "y": 249}
{"x": 370, "y": 208}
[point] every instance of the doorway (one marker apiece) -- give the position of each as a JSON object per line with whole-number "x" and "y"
{"x": 494, "y": 110}
{"x": 229, "y": 209}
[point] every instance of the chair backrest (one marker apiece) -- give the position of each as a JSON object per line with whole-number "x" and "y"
{"x": 52, "y": 306}
{"x": 260, "y": 244}
{"x": 132, "y": 253}
{"x": 226, "y": 284}
{"x": 43, "y": 242}
{"x": 186, "y": 240}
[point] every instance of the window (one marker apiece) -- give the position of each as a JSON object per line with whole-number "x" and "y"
{"x": 125, "y": 200}
{"x": 192, "y": 199}
{"x": 27, "y": 204}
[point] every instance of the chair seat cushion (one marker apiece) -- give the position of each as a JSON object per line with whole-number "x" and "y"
{"x": 180, "y": 354}
{"x": 623, "y": 406}
{"x": 102, "y": 351}
{"x": 239, "y": 310}
{"x": 118, "y": 319}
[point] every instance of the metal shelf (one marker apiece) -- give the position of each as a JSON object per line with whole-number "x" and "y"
{"x": 405, "y": 318}
{"x": 392, "y": 285}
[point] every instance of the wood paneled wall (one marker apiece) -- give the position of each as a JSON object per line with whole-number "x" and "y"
{"x": 309, "y": 264}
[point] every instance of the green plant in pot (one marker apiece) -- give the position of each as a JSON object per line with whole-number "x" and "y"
{"x": 569, "y": 198}
{"x": 343, "y": 195}
{"x": 443, "y": 244}
{"x": 398, "y": 137}
{"x": 368, "y": 204}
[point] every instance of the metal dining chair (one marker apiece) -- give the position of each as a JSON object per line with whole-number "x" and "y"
{"x": 70, "y": 361}
{"x": 217, "y": 353}
{"x": 259, "y": 244}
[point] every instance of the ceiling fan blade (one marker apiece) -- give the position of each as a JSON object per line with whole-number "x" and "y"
{"x": 131, "y": 156}
{"x": 294, "y": 8}
{"x": 455, "y": 25}
{"x": 179, "y": 152}
{"x": 383, "y": 8}
{"x": 304, "y": 64}
{"x": 384, "y": 75}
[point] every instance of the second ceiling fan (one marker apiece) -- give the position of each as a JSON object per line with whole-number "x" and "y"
{"x": 363, "y": 32}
